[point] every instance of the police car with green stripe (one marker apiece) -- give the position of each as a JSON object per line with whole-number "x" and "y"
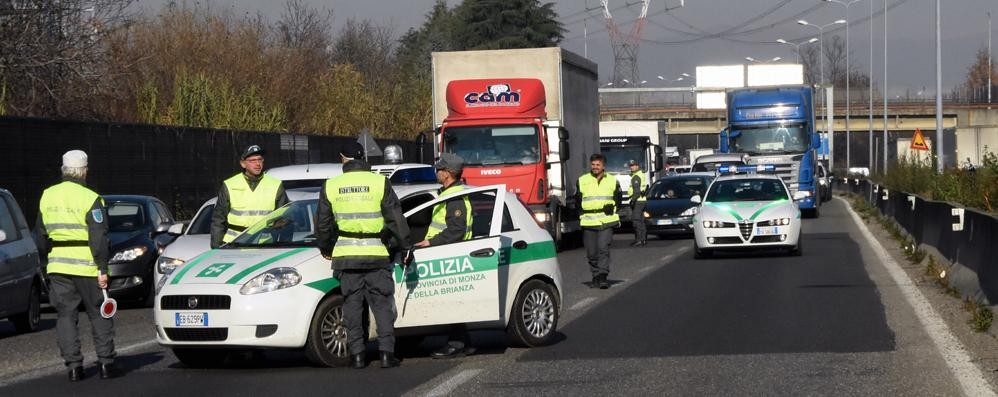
{"x": 270, "y": 287}
{"x": 744, "y": 208}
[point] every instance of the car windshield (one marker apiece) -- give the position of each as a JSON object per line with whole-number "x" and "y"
{"x": 494, "y": 145}
{"x": 771, "y": 140}
{"x": 618, "y": 156}
{"x": 124, "y": 216}
{"x": 677, "y": 188}
{"x": 747, "y": 190}
{"x": 289, "y": 226}
{"x": 712, "y": 166}
{"x": 202, "y": 222}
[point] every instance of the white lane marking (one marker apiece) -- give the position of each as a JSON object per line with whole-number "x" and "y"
{"x": 54, "y": 366}
{"x": 582, "y": 303}
{"x": 674, "y": 255}
{"x": 971, "y": 378}
{"x": 645, "y": 269}
{"x": 451, "y": 384}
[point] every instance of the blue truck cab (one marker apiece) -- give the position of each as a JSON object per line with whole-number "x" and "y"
{"x": 775, "y": 125}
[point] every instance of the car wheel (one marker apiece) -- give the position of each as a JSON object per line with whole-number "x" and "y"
{"x": 534, "y": 317}
{"x": 700, "y": 253}
{"x": 29, "y": 320}
{"x": 327, "y": 335}
{"x": 200, "y": 358}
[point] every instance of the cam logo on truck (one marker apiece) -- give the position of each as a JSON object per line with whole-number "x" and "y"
{"x": 495, "y": 95}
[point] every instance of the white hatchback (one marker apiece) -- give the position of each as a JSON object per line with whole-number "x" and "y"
{"x": 270, "y": 288}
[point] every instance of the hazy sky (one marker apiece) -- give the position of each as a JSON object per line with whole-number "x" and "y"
{"x": 911, "y": 34}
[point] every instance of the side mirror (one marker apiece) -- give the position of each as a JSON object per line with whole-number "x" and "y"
{"x": 421, "y": 139}
{"x": 563, "y": 149}
{"x": 176, "y": 229}
{"x": 562, "y": 134}
{"x": 695, "y": 199}
{"x": 3, "y": 236}
{"x": 162, "y": 228}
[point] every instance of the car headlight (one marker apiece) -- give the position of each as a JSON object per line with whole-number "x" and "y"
{"x": 271, "y": 280}
{"x": 646, "y": 214}
{"x": 712, "y": 224}
{"x": 167, "y": 265}
{"x": 542, "y": 217}
{"x": 690, "y": 211}
{"x": 128, "y": 255}
{"x": 776, "y": 222}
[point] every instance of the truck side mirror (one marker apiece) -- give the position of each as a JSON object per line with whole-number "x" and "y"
{"x": 659, "y": 161}
{"x": 421, "y": 139}
{"x": 562, "y": 134}
{"x": 563, "y": 150}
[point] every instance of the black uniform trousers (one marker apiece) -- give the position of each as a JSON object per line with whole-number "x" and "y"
{"x": 377, "y": 287}
{"x": 597, "y": 242}
{"x": 638, "y": 221}
{"x": 66, "y": 293}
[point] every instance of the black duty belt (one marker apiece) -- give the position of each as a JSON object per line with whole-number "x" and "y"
{"x": 72, "y": 243}
{"x": 237, "y": 227}
{"x": 346, "y": 234}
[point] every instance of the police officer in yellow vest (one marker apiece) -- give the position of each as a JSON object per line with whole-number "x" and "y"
{"x": 636, "y": 194}
{"x": 357, "y": 214}
{"x": 72, "y": 229}
{"x": 245, "y": 198}
{"x": 451, "y": 223}
{"x": 598, "y": 195}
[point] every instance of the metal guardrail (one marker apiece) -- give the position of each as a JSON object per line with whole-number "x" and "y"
{"x": 965, "y": 237}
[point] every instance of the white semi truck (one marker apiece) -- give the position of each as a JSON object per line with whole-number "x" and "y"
{"x": 622, "y": 141}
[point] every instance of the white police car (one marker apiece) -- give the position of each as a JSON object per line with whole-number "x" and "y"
{"x": 743, "y": 209}
{"x": 270, "y": 287}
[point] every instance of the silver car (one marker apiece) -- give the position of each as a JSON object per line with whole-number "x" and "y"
{"x": 21, "y": 278}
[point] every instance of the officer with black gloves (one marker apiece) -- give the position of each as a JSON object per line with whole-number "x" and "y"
{"x": 598, "y": 196}
{"x": 355, "y": 211}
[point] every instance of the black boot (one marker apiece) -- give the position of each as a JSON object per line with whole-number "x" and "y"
{"x": 388, "y": 360}
{"x": 108, "y": 371}
{"x": 595, "y": 282}
{"x": 603, "y": 282}
{"x": 76, "y": 374}
{"x": 358, "y": 361}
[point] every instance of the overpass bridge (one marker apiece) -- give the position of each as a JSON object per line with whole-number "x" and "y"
{"x": 969, "y": 130}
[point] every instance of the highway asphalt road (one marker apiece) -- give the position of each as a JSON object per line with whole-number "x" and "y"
{"x": 831, "y": 322}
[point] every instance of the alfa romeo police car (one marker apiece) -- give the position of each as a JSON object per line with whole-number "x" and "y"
{"x": 270, "y": 287}
{"x": 744, "y": 209}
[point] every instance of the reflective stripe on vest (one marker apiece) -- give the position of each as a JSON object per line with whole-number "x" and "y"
{"x": 595, "y": 196}
{"x": 64, "y": 209}
{"x": 355, "y": 198}
{"x": 247, "y": 206}
{"x": 438, "y": 222}
{"x": 643, "y": 184}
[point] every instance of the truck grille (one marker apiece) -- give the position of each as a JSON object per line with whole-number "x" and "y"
{"x": 197, "y": 334}
{"x": 746, "y": 228}
{"x": 201, "y": 302}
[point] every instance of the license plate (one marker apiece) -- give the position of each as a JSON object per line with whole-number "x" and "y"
{"x": 767, "y": 231}
{"x": 191, "y": 319}
{"x": 663, "y": 222}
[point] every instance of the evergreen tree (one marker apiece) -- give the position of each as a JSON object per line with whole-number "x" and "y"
{"x": 500, "y": 24}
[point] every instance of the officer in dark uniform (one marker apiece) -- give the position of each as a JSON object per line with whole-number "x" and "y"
{"x": 245, "y": 198}
{"x": 451, "y": 223}
{"x": 72, "y": 229}
{"x": 354, "y": 212}
{"x": 637, "y": 194}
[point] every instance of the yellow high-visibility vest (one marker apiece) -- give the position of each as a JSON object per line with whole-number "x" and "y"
{"x": 64, "y": 209}
{"x": 355, "y": 198}
{"x": 596, "y": 194}
{"x": 247, "y": 206}
{"x": 439, "y": 220}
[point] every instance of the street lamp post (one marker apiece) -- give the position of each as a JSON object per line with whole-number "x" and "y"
{"x": 846, "y": 4}
{"x": 797, "y": 46}
{"x": 821, "y": 43}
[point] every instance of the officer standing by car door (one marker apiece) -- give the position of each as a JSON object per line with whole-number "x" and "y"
{"x": 637, "y": 194}
{"x": 451, "y": 223}
{"x": 72, "y": 229}
{"x": 598, "y": 196}
{"x": 245, "y": 198}
{"x": 354, "y": 211}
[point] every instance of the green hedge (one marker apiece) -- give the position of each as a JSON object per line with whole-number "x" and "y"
{"x": 976, "y": 189}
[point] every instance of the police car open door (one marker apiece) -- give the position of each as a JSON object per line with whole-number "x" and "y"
{"x": 456, "y": 282}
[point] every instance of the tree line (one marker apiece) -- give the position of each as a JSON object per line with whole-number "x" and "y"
{"x": 195, "y": 65}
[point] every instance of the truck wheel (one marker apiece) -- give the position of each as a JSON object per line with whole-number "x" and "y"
{"x": 534, "y": 317}
{"x": 327, "y": 335}
{"x": 29, "y": 320}
{"x": 556, "y": 234}
{"x": 200, "y": 358}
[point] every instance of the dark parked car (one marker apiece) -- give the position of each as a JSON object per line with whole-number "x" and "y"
{"x": 669, "y": 209}
{"x": 137, "y": 229}
{"x": 22, "y": 281}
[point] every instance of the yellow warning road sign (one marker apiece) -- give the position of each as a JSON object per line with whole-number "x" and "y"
{"x": 918, "y": 141}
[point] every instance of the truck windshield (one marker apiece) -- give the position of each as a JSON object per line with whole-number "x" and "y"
{"x": 494, "y": 145}
{"x": 771, "y": 140}
{"x": 617, "y": 158}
